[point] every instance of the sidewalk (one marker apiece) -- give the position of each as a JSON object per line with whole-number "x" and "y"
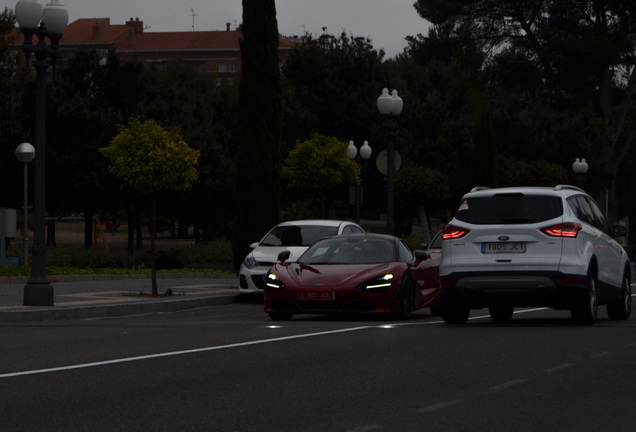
{"x": 79, "y": 297}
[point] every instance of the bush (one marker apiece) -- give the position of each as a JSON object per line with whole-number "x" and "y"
{"x": 78, "y": 258}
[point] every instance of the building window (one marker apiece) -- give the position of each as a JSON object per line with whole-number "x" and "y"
{"x": 222, "y": 67}
{"x": 233, "y": 67}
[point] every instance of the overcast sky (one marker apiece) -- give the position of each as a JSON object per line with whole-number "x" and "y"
{"x": 386, "y": 22}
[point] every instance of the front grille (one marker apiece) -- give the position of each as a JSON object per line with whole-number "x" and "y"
{"x": 258, "y": 281}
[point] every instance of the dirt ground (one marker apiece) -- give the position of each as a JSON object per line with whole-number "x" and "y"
{"x": 71, "y": 233}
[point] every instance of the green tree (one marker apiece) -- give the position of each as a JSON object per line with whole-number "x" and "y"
{"x": 485, "y": 154}
{"x": 333, "y": 83}
{"x": 581, "y": 51}
{"x": 151, "y": 160}
{"x": 417, "y": 189}
{"x": 320, "y": 163}
{"x": 259, "y": 159}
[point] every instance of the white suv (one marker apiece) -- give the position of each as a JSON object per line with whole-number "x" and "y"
{"x": 532, "y": 246}
{"x": 292, "y": 236}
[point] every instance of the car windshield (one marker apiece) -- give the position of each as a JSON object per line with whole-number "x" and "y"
{"x": 297, "y": 235}
{"x": 350, "y": 250}
{"x": 513, "y": 208}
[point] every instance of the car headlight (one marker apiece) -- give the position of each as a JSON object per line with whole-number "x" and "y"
{"x": 378, "y": 285}
{"x": 250, "y": 261}
{"x": 273, "y": 283}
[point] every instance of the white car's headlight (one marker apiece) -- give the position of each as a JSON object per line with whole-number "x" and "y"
{"x": 250, "y": 261}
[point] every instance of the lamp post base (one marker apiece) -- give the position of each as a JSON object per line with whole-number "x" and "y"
{"x": 38, "y": 294}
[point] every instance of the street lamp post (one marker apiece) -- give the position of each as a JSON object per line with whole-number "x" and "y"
{"x": 390, "y": 107}
{"x": 25, "y": 153}
{"x": 48, "y": 22}
{"x": 579, "y": 167}
{"x": 361, "y": 157}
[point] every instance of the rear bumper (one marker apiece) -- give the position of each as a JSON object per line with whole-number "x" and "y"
{"x": 482, "y": 289}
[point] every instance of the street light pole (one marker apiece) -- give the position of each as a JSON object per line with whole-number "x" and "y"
{"x": 390, "y": 107}
{"x": 579, "y": 167}
{"x": 48, "y": 22}
{"x": 360, "y": 157}
{"x": 25, "y": 153}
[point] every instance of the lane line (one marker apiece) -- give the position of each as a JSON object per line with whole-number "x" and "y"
{"x": 176, "y": 353}
{"x": 560, "y": 367}
{"x": 508, "y": 384}
{"x": 439, "y": 406}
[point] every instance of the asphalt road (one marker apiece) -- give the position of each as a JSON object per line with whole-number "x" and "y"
{"x": 228, "y": 368}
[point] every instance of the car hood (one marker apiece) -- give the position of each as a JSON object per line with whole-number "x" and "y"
{"x": 269, "y": 254}
{"x": 334, "y": 275}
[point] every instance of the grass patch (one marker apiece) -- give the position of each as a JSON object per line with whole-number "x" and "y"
{"x": 71, "y": 260}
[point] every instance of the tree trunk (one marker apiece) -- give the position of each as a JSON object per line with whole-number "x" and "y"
{"x": 153, "y": 234}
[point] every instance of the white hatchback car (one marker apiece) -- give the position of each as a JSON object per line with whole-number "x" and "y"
{"x": 532, "y": 246}
{"x": 293, "y": 236}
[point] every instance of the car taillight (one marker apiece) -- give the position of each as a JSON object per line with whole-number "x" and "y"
{"x": 451, "y": 232}
{"x": 568, "y": 229}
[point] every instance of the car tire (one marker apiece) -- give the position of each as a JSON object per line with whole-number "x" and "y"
{"x": 280, "y": 316}
{"x": 585, "y": 305}
{"x": 621, "y": 309}
{"x": 454, "y": 313}
{"x": 501, "y": 312}
{"x": 408, "y": 299}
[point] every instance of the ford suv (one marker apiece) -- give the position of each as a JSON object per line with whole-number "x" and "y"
{"x": 535, "y": 247}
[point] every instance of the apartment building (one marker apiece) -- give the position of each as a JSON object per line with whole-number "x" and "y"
{"x": 215, "y": 52}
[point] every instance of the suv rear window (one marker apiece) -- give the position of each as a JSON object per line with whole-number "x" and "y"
{"x": 502, "y": 209}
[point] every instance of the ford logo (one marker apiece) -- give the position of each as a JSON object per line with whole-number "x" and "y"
{"x": 503, "y": 238}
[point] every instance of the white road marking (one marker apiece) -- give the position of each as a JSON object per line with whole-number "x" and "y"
{"x": 508, "y": 384}
{"x": 560, "y": 367}
{"x": 176, "y": 353}
{"x": 439, "y": 406}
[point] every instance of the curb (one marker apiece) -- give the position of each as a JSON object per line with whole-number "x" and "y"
{"x": 114, "y": 310}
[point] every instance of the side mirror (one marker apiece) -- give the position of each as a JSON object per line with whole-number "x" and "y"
{"x": 423, "y": 255}
{"x": 619, "y": 230}
{"x": 284, "y": 256}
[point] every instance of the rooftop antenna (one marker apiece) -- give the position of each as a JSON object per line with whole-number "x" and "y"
{"x": 192, "y": 14}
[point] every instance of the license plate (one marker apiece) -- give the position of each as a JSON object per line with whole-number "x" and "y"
{"x": 302, "y": 295}
{"x": 503, "y": 247}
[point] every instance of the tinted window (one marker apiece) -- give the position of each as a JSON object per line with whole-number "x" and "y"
{"x": 293, "y": 235}
{"x": 406, "y": 254}
{"x": 509, "y": 209}
{"x": 599, "y": 220}
{"x": 349, "y": 250}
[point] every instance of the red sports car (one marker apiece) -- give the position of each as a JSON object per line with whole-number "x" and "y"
{"x": 356, "y": 273}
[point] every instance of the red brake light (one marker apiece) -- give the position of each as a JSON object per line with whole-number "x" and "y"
{"x": 451, "y": 232}
{"x": 568, "y": 229}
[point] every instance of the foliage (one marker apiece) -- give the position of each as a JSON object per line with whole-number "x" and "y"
{"x": 151, "y": 159}
{"x": 580, "y": 54}
{"x": 333, "y": 82}
{"x": 318, "y": 163}
{"x": 259, "y": 134}
{"x": 534, "y": 173}
{"x": 485, "y": 153}
{"x": 78, "y": 260}
{"x": 417, "y": 186}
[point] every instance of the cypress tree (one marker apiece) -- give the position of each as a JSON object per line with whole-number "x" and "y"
{"x": 259, "y": 159}
{"x": 485, "y": 153}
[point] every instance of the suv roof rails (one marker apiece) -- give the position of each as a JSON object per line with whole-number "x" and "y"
{"x": 478, "y": 188}
{"x": 564, "y": 186}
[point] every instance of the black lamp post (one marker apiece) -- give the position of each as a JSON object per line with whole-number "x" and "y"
{"x": 390, "y": 106}
{"x": 579, "y": 167}
{"x": 361, "y": 157}
{"x": 48, "y": 22}
{"x": 25, "y": 153}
